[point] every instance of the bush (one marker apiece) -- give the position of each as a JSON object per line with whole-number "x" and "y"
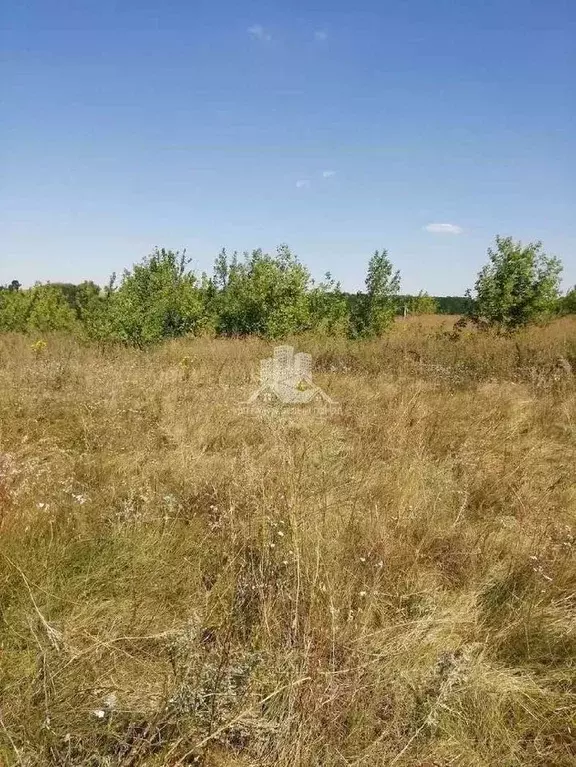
{"x": 518, "y": 286}
{"x": 157, "y": 299}
{"x": 263, "y": 295}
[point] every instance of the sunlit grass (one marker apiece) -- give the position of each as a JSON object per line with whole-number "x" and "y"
{"x": 393, "y": 584}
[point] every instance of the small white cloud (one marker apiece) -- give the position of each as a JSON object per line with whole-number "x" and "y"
{"x": 321, "y": 36}
{"x": 328, "y": 173}
{"x": 303, "y": 183}
{"x": 258, "y": 32}
{"x": 443, "y": 229}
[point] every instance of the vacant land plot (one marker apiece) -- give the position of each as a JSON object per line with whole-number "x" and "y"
{"x": 394, "y": 584}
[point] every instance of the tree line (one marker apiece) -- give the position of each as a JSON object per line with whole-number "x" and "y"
{"x": 274, "y": 295}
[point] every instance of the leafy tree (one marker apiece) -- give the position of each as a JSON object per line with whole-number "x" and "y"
{"x": 373, "y": 312}
{"x": 222, "y": 269}
{"x": 453, "y": 304}
{"x": 567, "y": 303}
{"x": 93, "y": 307}
{"x": 158, "y": 299}
{"x": 422, "y": 304}
{"x": 328, "y": 307}
{"x": 69, "y": 290}
{"x": 49, "y": 310}
{"x": 14, "y": 310}
{"x": 518, "y": 286}
{"x": 78, "y": 296}
{"x": 265, "y": 295}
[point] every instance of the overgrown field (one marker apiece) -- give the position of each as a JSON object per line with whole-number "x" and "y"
{"x": 181, "y": 582}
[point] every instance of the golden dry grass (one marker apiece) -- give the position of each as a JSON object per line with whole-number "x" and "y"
{"x": 392, "y": 585}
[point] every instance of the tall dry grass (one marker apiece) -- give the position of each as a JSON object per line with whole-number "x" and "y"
{"x": 392, "y": 585}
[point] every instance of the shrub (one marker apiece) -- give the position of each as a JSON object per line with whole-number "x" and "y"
{"x": 518, "y": 286}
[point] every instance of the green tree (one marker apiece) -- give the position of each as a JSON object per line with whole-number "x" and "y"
{"x": 453, "y": 304}
{"x": 79, "y": 295}
{"x": 422, "y": 304}
{"x": 93, "y": 307}
{"x": 567, "y": 303}
{"x": 518, "y": 286}
{"x": 157, "y": 299}
{"x": 265, "y": 294}
{"x": 49, "y": 310}
{"x": 328, "y": 307}
{"x": 14, "y": 310}
{"x": 373, "y": 311}
{"x": 222, "y": 268}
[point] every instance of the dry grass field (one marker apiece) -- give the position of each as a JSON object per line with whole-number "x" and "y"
{"x": 184, "y": 583}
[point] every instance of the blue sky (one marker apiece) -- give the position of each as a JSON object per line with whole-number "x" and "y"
{"x": 336, "y": 127}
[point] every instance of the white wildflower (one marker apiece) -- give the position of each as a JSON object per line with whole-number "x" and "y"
{"x": 110, "y": 701}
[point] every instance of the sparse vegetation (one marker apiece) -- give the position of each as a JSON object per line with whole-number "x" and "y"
{"x": 182, "y": 583}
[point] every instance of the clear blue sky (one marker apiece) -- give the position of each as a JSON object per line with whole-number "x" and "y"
{"x": 336, "y": 127}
